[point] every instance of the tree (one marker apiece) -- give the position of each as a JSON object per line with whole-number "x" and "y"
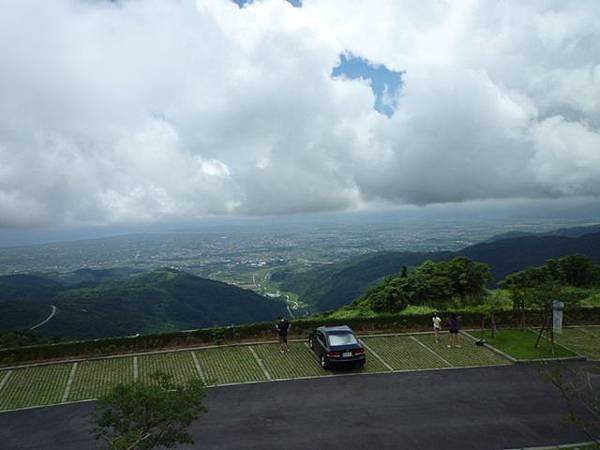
{"x": 469, "y": 278}
{"x": 404, "y": 272}
{"x": 532, "y": 288}
{"x": 146, "y": 416}
{"x": 488, "y": 310}
{"x": 389, "y": 296}
{"x": 579, "y": 271}
{"x": 578, "y": 387}
{"x": 432, "y": 283}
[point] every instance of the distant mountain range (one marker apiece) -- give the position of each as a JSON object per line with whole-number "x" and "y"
{"x": 566, "y": 232}
{"x": 332, "y": 286}
{"x": 100, "y": 303}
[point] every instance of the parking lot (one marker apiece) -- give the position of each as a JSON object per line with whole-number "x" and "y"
{"x": 222, "y": 365}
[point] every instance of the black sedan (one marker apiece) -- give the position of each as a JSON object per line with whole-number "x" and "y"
{"x": 337, "y": 347}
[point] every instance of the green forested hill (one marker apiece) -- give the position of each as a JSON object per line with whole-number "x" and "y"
{"x": 330, "y": 287}
{"x": 160, "y": 300}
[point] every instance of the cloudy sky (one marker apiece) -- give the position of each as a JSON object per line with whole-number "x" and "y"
{"x": 145, "y": 110}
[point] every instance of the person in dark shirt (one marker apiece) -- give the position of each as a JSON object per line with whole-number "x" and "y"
{"x": 283, "y": 327}
{"x": 453, "y": 328}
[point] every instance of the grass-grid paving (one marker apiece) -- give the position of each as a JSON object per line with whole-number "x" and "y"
{"x": 179, "y": 365}
{"x": 96, "y": 378}
{"x": 520, "y": 344}
{"x": 581, "y": 341}
{"x": 35, "y": 386}
{"x": 593, "y": 330}
{"x": 468, "y": 354}
{"x": 229, "y": 365}
{"x": 373, "y": 365}
{"x": 404, "y": 353}
{"x": 298, "y": 362}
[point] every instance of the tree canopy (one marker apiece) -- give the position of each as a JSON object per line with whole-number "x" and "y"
{"x": 146, "y": 416}
{"x": 432, "y": 283}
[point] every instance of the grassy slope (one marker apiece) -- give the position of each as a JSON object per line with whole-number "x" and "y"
{"x": 521, "y": 345}
{"x": 330, "y": 287}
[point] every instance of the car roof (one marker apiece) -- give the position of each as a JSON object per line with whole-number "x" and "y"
{"x": 336, "y": 329}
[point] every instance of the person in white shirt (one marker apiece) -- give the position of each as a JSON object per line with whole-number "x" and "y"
{"x": 437, "y": 327}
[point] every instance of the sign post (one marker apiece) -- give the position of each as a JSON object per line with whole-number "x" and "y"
{"x": 557, "y": 316}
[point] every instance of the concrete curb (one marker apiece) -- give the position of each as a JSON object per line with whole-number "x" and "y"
{"x": 490, "y": 347}
{"x": 538, "y": 360}
{"x": 555, "y": 447}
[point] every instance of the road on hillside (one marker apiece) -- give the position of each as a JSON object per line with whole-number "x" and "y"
{"x": 486, "y": 408}
{"x": 52, "y": 313}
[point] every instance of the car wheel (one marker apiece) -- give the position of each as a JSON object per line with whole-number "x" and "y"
{"x": 324, "y": 362}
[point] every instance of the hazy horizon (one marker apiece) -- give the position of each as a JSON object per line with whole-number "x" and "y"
{"x": 513, "y": 216}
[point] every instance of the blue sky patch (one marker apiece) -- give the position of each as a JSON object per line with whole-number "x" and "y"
{"x": 385, "y": 83}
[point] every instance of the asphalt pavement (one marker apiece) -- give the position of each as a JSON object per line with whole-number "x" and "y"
{"x": 483, "y": 408}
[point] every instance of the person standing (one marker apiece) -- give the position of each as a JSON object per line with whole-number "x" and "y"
{"x": 453, "y": 328}
{"x": 283, "y": 327}
{"x": 437, "y": 326}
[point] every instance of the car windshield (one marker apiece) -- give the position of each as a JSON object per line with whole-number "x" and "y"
{"x": 341, "y": 339}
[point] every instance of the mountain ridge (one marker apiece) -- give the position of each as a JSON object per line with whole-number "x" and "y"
{"x": 339, "y": 284}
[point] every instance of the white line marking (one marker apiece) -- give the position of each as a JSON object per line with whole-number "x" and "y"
{"x": 5, "y": 379}
{"x": 260, "y": 363}
{"x": 153, "y": 352}
{"x": 69, "y": 383}
{"x": 176, "y": 350}
{"x": 135, "y": 368}
{"x": 313, "y": 353}
{"x": 430, "y": 350}
{"x": 203, "y": 347}
{"x": 377, "y": 356}
{"x": 198, "y": 368}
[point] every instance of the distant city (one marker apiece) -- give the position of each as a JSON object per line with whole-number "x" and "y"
{"x": 246, "y": 256}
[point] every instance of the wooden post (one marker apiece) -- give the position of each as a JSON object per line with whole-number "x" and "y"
{"x": 544, "y": 325}
{"x": 482, "y": 325}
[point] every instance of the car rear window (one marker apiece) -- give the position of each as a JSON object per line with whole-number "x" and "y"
{"x": 341, "y": 339}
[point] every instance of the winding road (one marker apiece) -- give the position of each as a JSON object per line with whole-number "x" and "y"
{"x": 503, "y": 407}
{"x": 52, "y": 313}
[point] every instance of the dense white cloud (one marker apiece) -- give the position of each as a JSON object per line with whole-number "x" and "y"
{"x": 144, "y": 110}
